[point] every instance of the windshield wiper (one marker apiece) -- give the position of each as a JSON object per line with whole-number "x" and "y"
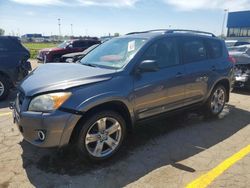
{"x": 89, "y": 64}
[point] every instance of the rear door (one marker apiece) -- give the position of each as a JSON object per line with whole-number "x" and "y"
{"x": 200, "y": 67}
{"x": 163, "y": 90}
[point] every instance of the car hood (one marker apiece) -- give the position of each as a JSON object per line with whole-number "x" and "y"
{"x": 61, "y": 76}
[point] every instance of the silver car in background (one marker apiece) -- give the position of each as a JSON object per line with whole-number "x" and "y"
{"x": 241, "y": 54}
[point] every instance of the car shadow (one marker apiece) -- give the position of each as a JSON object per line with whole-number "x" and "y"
{"x": 153, "y": 145}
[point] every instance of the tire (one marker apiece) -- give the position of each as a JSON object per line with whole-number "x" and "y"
{"x": 216, "y": 102}
{"x": 97, "y": 141}
{"x": 4, "y": 87}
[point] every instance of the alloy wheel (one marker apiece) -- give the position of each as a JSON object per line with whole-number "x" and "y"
{"x": 103, "y": 137}
{"x": 217, "y": 101}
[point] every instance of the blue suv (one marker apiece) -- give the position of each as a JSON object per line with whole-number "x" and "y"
{"x": 141, "y": 75}
{"x": 13, "y": 64}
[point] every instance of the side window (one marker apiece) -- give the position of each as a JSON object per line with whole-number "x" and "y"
{"x": 80, "y": 44}
{"x": 193, "y": 50}
{"x": 91, "y": 43}
{"x": 215, "y": 48}
{"x": 165, "y": 52}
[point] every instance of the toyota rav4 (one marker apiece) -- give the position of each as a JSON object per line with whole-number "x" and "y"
{"x": 141, "y": 75}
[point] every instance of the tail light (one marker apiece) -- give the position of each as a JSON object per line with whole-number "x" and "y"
{"x": 231, "y": 59}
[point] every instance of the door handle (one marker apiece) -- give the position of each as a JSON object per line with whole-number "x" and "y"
{"x": 179, "y": 75}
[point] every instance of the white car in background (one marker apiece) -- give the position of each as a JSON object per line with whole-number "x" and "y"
{"x": 241, "y": 54}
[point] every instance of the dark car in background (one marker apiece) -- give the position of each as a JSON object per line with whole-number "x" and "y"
{"x": 48, "y": 55}
{"x": 74, "y": 57}
{"x": 13, "y": 64}
{"x": 94, "y": 103}
{"x": 241, "y": 54}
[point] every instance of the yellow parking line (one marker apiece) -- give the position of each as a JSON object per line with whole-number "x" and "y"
{"x": 5, "y": 114}
{"x": 209, "y": 177}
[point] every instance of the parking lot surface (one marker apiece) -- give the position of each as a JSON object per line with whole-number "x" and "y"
{"x": 171, "y": 152}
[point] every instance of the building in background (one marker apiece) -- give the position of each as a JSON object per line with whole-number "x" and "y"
{"x": 238, "y": 25}
{"x": 39, "y": 38}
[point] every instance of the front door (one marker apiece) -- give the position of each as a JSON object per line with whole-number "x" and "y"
{"x": 163, "y": 90}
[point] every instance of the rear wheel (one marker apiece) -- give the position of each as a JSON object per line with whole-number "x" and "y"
{"x": 101, "y": 135}
{"x": 4, "y": 87}
{"x": 216, "y": 101}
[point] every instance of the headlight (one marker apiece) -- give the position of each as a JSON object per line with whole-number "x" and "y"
{"x": 48, "y": 102}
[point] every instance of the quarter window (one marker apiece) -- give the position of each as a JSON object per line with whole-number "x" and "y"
{"x": 216, "y": 48}
{"x": 193, "y": 50}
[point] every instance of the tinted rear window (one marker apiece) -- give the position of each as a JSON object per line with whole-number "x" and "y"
{"x": 193, "y": 50}
{"x": 215, "y": 48}
{"x": 5, "y": 44}
{"x": 10, "y": 44}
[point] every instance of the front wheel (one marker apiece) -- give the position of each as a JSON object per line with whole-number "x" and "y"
{"x": 216, "y": 101}
{"x": 101, "y": 135}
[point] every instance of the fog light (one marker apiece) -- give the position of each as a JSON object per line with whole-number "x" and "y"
{"x": 41, "y": 135}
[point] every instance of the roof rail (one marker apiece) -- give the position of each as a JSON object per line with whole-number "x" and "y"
{"x": 189, "y": 31}
{"x": 155, "y": 30}
{"x": 173, "y": 31}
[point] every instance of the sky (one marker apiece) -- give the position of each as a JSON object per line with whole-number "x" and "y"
{"x": 101, "y": 17}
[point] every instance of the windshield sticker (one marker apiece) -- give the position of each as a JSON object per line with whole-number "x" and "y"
{"x": 131, "y": 46}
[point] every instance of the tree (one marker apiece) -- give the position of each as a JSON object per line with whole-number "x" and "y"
{"x": 116, "y": 34}
{"x": 1, "y": 32}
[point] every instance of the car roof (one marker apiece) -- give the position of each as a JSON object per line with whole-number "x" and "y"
{"x": 10, "y": 37}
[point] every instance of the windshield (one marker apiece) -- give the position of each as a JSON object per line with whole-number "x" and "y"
{"x": 64, "y": 44}
{"x": 238, "y": 49}
{"x": 115, "y": 53}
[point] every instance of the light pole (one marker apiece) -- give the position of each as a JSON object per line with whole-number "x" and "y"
{"x": 223, "y": 23}
{"x": 59, "y": 26}
{"x": 71, "y": 26}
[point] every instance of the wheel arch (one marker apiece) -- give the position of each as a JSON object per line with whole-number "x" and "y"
{"x": 226, "y": 83}
{"x": 117, "y": 106}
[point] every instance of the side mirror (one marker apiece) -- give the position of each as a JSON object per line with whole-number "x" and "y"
{"x": 148, "y": 66}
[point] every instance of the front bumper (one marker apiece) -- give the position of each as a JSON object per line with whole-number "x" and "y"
{"x": 242, "y": 82}
{"x": 52, "y": 124}
{"x": 40, "y": 59}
